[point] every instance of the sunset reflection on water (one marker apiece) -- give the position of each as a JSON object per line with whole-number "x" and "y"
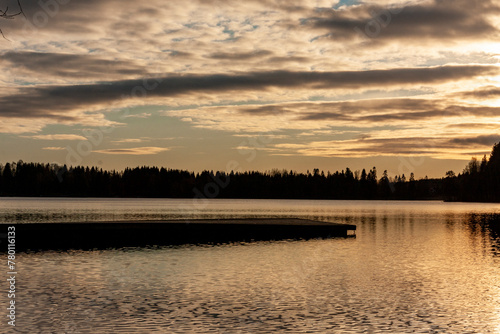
{"x": 426, "y": 267}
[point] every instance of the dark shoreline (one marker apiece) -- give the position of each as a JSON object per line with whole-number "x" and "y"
{"x": 270, "y": 198}
{"x": 478, "y": 182}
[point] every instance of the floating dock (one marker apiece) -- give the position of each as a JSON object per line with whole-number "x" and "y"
{"x": 90, "y": 235}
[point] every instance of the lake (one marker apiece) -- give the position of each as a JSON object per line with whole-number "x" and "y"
{"x": 413, "y": 267}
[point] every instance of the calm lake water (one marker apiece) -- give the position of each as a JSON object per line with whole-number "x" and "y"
{"x": 414, "y": 267}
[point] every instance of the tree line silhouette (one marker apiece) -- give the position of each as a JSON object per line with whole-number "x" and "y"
{"x": 36, "y": 179}
{"x": 479, "y": 181}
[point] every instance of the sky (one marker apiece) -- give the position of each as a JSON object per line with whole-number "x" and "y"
{"x": 406, "y": 86}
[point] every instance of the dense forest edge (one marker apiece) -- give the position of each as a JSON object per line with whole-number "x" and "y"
{"x": 478, "y": 182}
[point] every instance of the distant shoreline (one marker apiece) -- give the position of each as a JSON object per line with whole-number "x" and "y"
{"x": 479, "y": 182}
{"x": 246, "y": 198}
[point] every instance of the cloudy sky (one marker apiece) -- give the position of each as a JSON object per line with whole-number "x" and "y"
{"x": 407, "y": 86}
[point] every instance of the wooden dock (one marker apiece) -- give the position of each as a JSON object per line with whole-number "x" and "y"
{"x": 112, "y": 234}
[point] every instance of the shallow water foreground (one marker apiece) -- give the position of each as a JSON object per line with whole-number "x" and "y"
{"x": 414, "y": 267}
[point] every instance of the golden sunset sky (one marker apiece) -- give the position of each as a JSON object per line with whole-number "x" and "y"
{"x": 407, "y": 86}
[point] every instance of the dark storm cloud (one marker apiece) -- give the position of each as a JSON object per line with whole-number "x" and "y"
{"x": 71, "y": 65}
{"x": 389, "y": 146}
{"x": 434, "y": 113}
{"x": 488, "y": 92}
{"x": 180, "y": 54}
{"x": 474, "y": 126}
{"x": 48, "y": 100}
{"x": 444, "y": 19}
{"x": 266, "y": 110}
{"x": 486, "y": 140}
{"x": 387, "y": 110}
{"x": 355, "y": 110}
{"x": 402, "y": 146}
{"x": 239, "y": 55}
{"x": 289, "y": 59}
{"x": 421, "y": 145}
{"x": 326, "y": 116}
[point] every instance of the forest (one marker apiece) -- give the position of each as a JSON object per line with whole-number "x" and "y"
{"x": 479, "y": 182}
